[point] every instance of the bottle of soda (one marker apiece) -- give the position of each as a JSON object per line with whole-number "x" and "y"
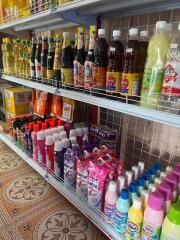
{"x": 89, "y": 63}
{"x": 57, "y": 62}
{"x": 50, "y": 61}
{"x": 32, "y": 59}
{"x": 100, "y": 63}
{"x": 79, "y": 60}
{"x": 38, "y": 58}
{"x": 44, "y": 54}
{"x": 67, "y": 61}
{"x": 114, "y": 71}
{"x": 130, "y": 72}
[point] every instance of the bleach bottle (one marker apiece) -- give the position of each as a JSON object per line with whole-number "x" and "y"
{"x": 121, "y": 212}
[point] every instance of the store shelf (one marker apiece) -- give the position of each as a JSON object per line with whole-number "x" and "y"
{"x": 131, "y": 109}
{"x": 70, "y": 194}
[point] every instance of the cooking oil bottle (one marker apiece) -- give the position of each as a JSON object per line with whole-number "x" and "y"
{"x": 9, "y": 56}
{"x": 16, "y": 50}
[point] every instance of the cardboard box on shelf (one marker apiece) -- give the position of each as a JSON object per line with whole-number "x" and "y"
{"x": 3, "y": 114}
{"x": 17, "y": 100}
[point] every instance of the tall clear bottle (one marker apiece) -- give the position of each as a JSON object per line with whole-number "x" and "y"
{"x": 57, "y": 61}
{"x": 38, "y": 58}
{"x": 50, "y": 61}
{"x": 170, "y": 94}
{"x": 79, "y": 60}
{"x": 32, "y": 59}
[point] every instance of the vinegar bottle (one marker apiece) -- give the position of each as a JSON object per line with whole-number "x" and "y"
{"x": 32, "y": 59}
{"x": 44, "y": 54}
{"x": 50, "y": 61}
{"x": 38, "y": 58}
{"x": 57, "y": 61}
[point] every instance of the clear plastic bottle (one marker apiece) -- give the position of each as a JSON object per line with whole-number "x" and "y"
{"x": 170, "y": 94}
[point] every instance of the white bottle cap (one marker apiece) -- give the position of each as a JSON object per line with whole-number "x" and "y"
{"x": 58, "y": 146}
{"x": 56, "y": 137}
{"x": 101, "y": 31}
{"x": 179, "y": 27}
{"x": 133, "y": 31}
{"x": 144, "y": 33}
{"x": 47, "y": 132}
{"x": 112, "y": 186}
{"x": 54, "y": 130}
{"x": 128, "y": 177}
{"x": 66, "y": 142}
{"x": 151, "y": 188}
{"x": 73, "y": 133}
{"x": 145, "y": 195}
{"x": 135, "y": 172}
{"x": 161, "y": 25}
{"x": 163, "y": 175}
{"x": 116, "y": 33}
{"x": 66, "y": 34}
{"x": 121, "y": 182}
{"x": 41, "y": 135}
{"x": 60, "y": 128}
{"x": 49, "y": 140}
{"x": 157, "y": 181}
{"x": 141, "y": 168}
{"x": 137, "y": 203}
{"x": 63, "y": 135}
{"x": 85, "y": 130}
{"x": 79, "y": 132}
{"x": 73, "y": 140}
{"x": 169, "y": 169}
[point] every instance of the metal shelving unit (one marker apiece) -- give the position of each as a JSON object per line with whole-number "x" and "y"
{"x": 131, "y": 109}
{"x": 89, "y": 211}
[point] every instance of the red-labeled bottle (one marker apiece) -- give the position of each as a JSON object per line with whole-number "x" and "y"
{"x": 49, "y": 148}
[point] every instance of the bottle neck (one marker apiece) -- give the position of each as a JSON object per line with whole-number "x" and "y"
{"x": 80, "y": 41}
{"x": 117, "y": 38}
{"x": 101, "y": 36}
{"x": 66, "y": 42}
{"x": 133, "y": 37}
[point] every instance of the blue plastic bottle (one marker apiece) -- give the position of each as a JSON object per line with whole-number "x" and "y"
{"x": 152, "y": 173}
{"x": 140, "y": 185}
{"x": 132, "y": 192}
{"x": 121, "y": 212}
{"x": 146, "y": 178}
{"x": 157, "y": 166}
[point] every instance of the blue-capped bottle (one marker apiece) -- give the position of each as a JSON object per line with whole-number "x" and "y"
{"x": 132, "y": 192}
{"x": 140, "y": 185}
{"x": 152, "y": 173}
{"x": 146, "y": 178}
{"x": 157, "y": 166}
{"x": 121, "y": 213}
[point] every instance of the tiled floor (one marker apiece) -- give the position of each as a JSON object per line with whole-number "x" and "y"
{"x": 31, "y": 209}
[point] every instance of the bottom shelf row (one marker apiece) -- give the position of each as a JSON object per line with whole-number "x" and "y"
{"x": 138, "y": 211}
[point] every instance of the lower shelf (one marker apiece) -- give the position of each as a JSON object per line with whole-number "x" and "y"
{"x": 70, "y": 194}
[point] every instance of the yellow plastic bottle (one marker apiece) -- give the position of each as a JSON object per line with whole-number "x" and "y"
{"x": 9, "y": 57}
{"x": 135, "y": 219}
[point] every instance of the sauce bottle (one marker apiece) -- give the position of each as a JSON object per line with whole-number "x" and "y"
{"x": 38, "y": 58}
{"x": 57, "y": 62}
{"x": 50, "y": 61}
{"x": 100, "y": 63}
{"x": 130, "y": 72}
{"x": 89, "y": 63}
{"x": 44, "y": 54}
{"x": 114, "y": 70}
{"x": 67, "y": 61}
{"x": 32, "y": 59}
{"x": 79, "y": 60}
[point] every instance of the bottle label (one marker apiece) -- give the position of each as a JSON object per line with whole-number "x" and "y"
{"x": 78, "y": 74}
{"x": 50, "y": 74}
{"x": 38, "y": 69}
{"x": 92, "y": 42}
{"x": 32, "y": 69}
{"x": 120, "y": 221}
{"x": 130, "y": 84}
{"x": 44, "y": 72}
{"x": 171, "y": 82}
{"x": 109, "y": 210}
{"x": 150, "y": 232}
{"x": 88, "y": 72}
{"x": 67, "y": 76}
{"x": 133, "y": 230}
{"x": 57, "y": 61}
{"x": 112, "y": 81}
{"x": 99, "y": 74}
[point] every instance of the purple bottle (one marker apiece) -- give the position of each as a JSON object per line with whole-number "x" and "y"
{"x": 34, "y": 142}
{"x": 166, "y": 190}
{"x": 176, "y": 173}
{"x": 70, "y": 168}
{"x": 66, "y": 144}
{"x": 59, "y": 159}
{"x": 75, "y": 147}
{"x": 172, "y": 180}
{"x": 41, "y": 147}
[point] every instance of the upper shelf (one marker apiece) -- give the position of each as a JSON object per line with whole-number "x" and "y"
{"x": 85, "y": 12}
{"x": 131, "y": 109}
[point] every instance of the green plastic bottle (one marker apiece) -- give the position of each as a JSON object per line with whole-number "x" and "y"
{"x": 155, "y": 65}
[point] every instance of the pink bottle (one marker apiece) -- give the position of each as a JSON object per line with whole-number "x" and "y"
{"x": 176, "y": 172}
{"x": 41, "y": 147}
{"x": 111, "y": 197}
{"x": 49, "y": 147}
{"x": 172, "y": 180}
{"x": 34, "y": 142}
{"x": 153, "y": 217}
{"x": 165, "y": 189}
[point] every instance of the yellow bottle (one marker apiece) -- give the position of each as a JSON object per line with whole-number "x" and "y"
{"x": 2, "y": 10}
{"x": 21, "y": 8}
{"x": 16, "y": 50}
{"x": 9, "y": 57}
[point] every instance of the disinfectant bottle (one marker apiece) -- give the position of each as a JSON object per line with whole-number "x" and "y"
{"x": 121, "y": 213}
{"x": 135, "y": 218}
{"x": 153, "y": 217}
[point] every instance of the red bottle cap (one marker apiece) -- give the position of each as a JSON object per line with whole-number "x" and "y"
{"x": 47, "y": 121}
{"x": 44, "y": 126}
{"x": 52, "y": 124}
{"x": 39, "y": 123}
{"x": 36, "y": 128}
{"x": 55, "y": 120}
{"x": 60, "y": 123}
{"x": 31, "y": 125}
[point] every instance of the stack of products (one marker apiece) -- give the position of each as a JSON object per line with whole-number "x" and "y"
{"x": 147, "y": 72}
{"x": 3, "y": 114}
